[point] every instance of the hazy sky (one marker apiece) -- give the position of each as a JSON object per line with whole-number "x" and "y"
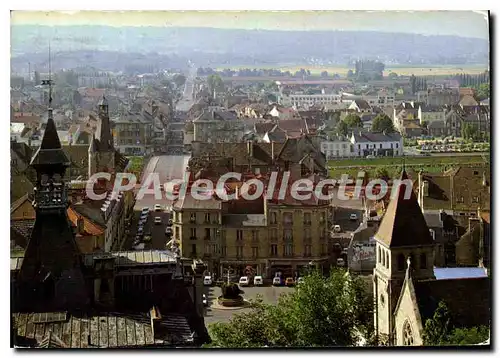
{"x": 460, "y": 23}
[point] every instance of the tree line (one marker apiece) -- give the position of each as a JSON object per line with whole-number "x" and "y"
{"x": 261, "y": 72}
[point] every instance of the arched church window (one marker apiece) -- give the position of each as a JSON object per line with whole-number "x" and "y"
{"x": 387, "y": 259}
{"x": 407, "y": 334}
{"x": 401, "y": 262}
{"x": 379, "y": 255}
{"x": 423, "y": 261}
{"x": 383, "y": 259}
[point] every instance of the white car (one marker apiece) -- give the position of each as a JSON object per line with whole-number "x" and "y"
{"x": 353, "y": 217}
{"x": 244, "y": 281}
{"x": 207, "y": 281}
{"x": 205, "y": 301}
{"x": 139, "y": 246}
{"x": 157, "y": 220}
{"x": 145, "y": 210}
{"x": 158, "y": 207}
{"x": 140, "y": 230}
{"x": 300, "y": 280}
{"x": 277, "y": 281}
{"x": 337, "y": 228}
{"x": 340, "y": 262}
{"x": 258, "y": 281}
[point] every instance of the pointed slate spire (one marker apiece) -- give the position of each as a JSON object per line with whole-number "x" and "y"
{"x": 50, "y": 151}
{"x": 403, "y": 223}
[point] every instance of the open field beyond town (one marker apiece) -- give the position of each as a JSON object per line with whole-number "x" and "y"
{"x": 404, "y": 70}
{"x": 393, "y": 165}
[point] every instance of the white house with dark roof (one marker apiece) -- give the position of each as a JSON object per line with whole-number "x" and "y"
{"x": 376, "y": 144}
{"x": 361, "y": 106}
{"x": 336, "y": 147}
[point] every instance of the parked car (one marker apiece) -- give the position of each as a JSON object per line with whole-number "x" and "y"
{"x": 168, "y": 231}
{"x": 145, "y": 210}
{"x": 158, "y": 207}
{"x": 300, "y": 280}
{"x": 340, "y": 262}
{"x": 207, "y": 281}
{"x": 140, "y": 230}
{"x": 277, "y": 281}
{"x": 139, "y": 246}
{"x": 289, "y": 281}
{"x": 205, "y": 301}
{"x": 157, "y": 220}
{"x": 258, "y": 281}
{"x": 370, "y": 157}
{"x": 353, "y": 217}
{"x": 244, "y": 281}
{"x": 337, "y": 228}
{"x": 170, "y": 222}
{"x": 147, "y": 238}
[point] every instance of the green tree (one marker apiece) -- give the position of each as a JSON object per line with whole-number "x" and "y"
{"x": 439, "y": 330}
{"x": 467, "y": 336}
{"x": 382, "y": 173}
{"x": 353, "y": 121}
{"x": 179, "y": 80}
{"x": 468, "y": 131}
{"x": 382, "y": 123}
{"x": 215, "y": 84}
{"x": 342, "y": 128}
{"x": 483, "y": 91}
{"x": 319, "y": 312}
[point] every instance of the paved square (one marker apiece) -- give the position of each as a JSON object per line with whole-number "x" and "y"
{"x": 269, "y": 294}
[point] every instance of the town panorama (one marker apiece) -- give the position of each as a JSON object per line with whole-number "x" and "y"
{"x": 216, "y": 184}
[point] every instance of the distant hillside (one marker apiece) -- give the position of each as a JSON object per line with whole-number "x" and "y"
{"x": 208, "y": 45}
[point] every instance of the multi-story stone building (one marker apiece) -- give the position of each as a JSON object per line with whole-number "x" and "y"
{"x": 268, "y": 235}
{"x": 133, "y": 134}
{"x": 218, "y": 126}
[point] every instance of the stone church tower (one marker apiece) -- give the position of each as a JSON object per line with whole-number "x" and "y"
{"x": 403, "y": 234}
{"x": 101, "y": 148}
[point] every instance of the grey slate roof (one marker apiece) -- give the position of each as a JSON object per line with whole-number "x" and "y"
{"x": 376, "y": 137}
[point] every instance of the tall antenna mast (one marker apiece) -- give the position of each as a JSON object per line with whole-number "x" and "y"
{"x": 49, "y": 83}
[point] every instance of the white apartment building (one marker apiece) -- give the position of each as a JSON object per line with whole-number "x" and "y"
{"x": 380, "y": 99}
{"x": 301, "y": 100}
{"x": 336, "y": 147}
{"x": 376, "y": 144}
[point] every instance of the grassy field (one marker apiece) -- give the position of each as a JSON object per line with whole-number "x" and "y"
{"x": 351, "y": 167}
{"x": 427, "y": 70}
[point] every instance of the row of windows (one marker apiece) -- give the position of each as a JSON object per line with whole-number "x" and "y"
{"x": 287, "y": 250}
{"x": 287, "y": 234}
{"x": 383, "y": 259}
